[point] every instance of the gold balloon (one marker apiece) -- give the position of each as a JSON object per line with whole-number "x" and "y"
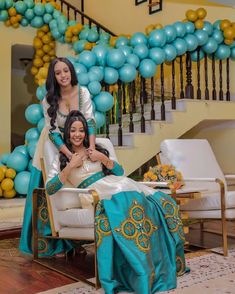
{"x": 74, "y": 39}
{"x": 40, "y": 34}
{"x": 46, "y": 48}
{"x": 201, "y": 13}
{"x": 12, "y": 11}
{"x": 37, "y": 43}
{"x": 37, "y": 62}
{"x": 191, "y": 15}
{"x": 158, "y": 26}
{"x": 199, "y": 24}
{"x": 10, "y": 193}
{"x": 149, "y": 29}
{"x": 225, "y": 23}
{"x": 229, "y": 33}
{"x": 45, "y": 28}
{"x": 34, "y": 70}
{"x": 228, "y": 41}
{"x": 10, "y": 173}
{"x": 7, "y": 184}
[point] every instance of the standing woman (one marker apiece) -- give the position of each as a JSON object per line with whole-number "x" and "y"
{"x": 63, "y": 95}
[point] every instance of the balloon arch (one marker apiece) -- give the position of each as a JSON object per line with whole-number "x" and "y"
{"x": 100, "y": 58}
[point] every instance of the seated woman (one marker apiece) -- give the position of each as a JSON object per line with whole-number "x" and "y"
{"x": 139, "y": 234}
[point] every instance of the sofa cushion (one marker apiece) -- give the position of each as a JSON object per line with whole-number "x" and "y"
{"x": 76, "y": 218}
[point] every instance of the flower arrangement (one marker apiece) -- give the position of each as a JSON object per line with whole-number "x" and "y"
{"x": 165, "y": 173}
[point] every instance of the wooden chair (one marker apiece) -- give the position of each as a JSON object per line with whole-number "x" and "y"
{"x": 60, "y": 206}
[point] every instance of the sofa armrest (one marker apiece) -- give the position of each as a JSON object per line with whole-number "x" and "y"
{"x": 155, "y": 184}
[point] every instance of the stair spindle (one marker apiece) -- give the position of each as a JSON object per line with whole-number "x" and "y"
{"x": 163, "y": 110}
{"x": 142, "y": 120}
{"x": 152, "y": 99}
{"x": 221, "y": 93}
{"x": 173, "y": 99}
{"x": 124, "y": 99}
{"x": 189, "y": 91}
{"x": 227, "y": 81}
{"x": 199, "y": 94}
{"x": 119, "y": 113}
{"x": 214, "y": 95}
{"x": 181, "y": 78}
{"x": 207, "y": 95}
{"x": 131, "y": 94}
{"x": 106, "y": 87}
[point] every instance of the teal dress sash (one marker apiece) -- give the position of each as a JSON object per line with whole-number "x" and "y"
{"x": 92, "y": 179}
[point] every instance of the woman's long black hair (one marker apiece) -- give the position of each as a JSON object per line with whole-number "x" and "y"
{"x": 53, "y": 88}
{"x": 76, "y": 115}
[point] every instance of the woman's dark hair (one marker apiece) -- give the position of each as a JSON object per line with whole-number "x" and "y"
{"x": 53, "y": 88}
{"x": 76, "y": 115}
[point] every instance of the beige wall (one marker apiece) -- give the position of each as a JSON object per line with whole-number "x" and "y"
{"x": 221, "y": 136}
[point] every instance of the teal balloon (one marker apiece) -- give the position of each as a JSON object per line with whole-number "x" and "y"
{"x": 83, "y": 79}
{"x": 208, "y": 27}
{"x": 211, "y": 46}
{"x": 94, "y": 88}
{"x": 87, "y": 58}
{"x": 127, "y": 73}
{"x": 100, "y": 52}
{"x": 32, "y": 147}
{"x": 115, "y": 58}
{"x": 55, "y": 33}
{"x": 61, "y": 39}
{"x": 47, "y": 17}
{"x": 194, "y": 55}
{"x": 53, "y": 24}
{"x": 30, "y": 165}
{"x": 23, "y": 149}
{"x": 21, "y": 182}
{"x": 191, "y": 41}
{"x": 141, "y": 50}
{"x": 216, "y": 24}
{"x": 170, "y": 52}
{"x": 99, "y": 72}
{"x": 127, "y": 50}
{"x": 103, "y": 101}
{"x": 41, "y": 124}
{"x": 80, "y": 68}
{"x": 62, "y": 27}
{"x": 93, "y": 107}
{"x": 2, "y": 5}
{"x": 84, "y": 34}
{"x": 4, "y": 157}
{"x": 157, "y": 38}
{"x": 202, "y": 37}
{"x": 92, "y": 36}
{"x": 232, "y": 54}
{"x": 104, "y": 37}
{"x": 138, "y": 38}
{"x": 122, "y": 41}
{"x": 29, "y": 3}
{"x": 72, "y": 22}
{"x": 180, "y": 29}
{"x": 20, "y": 7}
{"x": 24, "y": 22}
{"x": 189, "y": 26}
{"x": 18, "y": 161}
{"x": 49, "y": 8}
{"x": 170, "y": 32}
{"x": 157, "y": 55}
{"x": 9, "y": 3}
{"x": 61, "y": 19}
{"x": 33, "y": 113}
{"x": 39, "y": 9}
{"x": 110, "y": 75}
{"x": 37, "y": 22}
{"x": 92, "y": 76}
{"x": 79, "y": 46}
{"x": 56, "y": 14}
{"x": 32, "y": 135}
{"x": 232, "y": 45}
{"x": 3, "y": 15}
{"x": 218, "y": 36}
{"x": 41, "y": 92}
{"x": 29, "y": 14}
{"x": 147, "y": 68}
{"x": 180, "y": 46}
{"x": 99, "y": 119}
{"x": 133, "y": 59}
{"x": 222, "y": 52}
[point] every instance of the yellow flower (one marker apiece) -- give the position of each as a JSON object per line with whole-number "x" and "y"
{"x": 171, "y": 173}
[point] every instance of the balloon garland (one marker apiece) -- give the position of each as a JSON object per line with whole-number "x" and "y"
{"x": 101, "y": 57}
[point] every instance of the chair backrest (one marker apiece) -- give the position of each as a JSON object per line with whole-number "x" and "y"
{"x": 60, "y": 200}
{"x": 194, "y": 158}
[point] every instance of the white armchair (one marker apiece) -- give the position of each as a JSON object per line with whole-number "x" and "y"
{"x": 68, "y": 220}
{"x": 196, "y": 161}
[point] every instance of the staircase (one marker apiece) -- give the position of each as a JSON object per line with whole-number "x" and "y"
{"x": 153, "y": 5}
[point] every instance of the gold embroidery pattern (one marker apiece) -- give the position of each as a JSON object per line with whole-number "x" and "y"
{"x": 172, "y": 217}
{"x": 42, "y": 245}
{"x": 102, "y": 225}
{"x": 138, "y": 227}
{"x": 180, "y": 266}
{"x": 53, "y": 185}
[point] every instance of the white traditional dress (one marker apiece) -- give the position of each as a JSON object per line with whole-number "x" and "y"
{"x": 47, "y": 247}
{"x": 139, "y": 234}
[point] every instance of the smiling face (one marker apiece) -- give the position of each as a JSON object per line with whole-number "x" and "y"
{"x": 62, "y": 74}
{"x": 77, "y": 134}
